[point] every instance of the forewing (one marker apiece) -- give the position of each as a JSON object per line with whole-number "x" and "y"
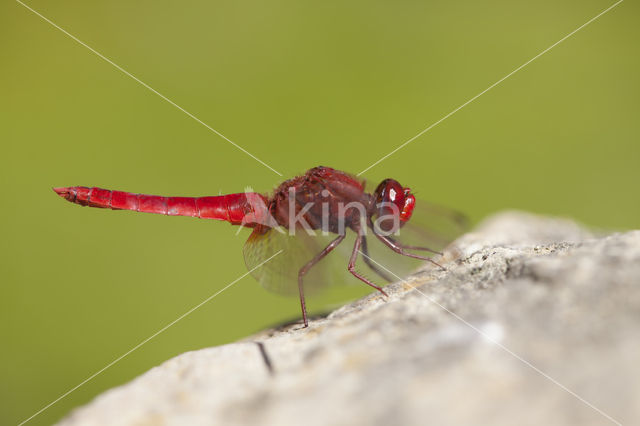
{"x": 432, "y": 226}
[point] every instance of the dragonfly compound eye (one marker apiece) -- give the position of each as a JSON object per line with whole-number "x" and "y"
{"x": 391, "y": 204}
{"x": 407, "y": 209}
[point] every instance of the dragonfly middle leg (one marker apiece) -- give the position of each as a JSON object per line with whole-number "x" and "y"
{"x": 370, "y": 264}
{"x": 352, "y": 263}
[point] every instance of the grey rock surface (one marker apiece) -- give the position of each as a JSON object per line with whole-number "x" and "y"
{"x": 536, "y": 321}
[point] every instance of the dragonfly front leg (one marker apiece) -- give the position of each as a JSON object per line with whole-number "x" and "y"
{"x": 352, "y": 263}
{"x": 301, "y": 273}
{"x": 406, "y": 247}
{"x": 400, "y": 250}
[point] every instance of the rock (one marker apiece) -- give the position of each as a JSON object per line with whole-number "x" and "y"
{"x": 536, "y": 322}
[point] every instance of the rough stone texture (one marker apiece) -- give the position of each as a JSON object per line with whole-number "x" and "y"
{"x": 533, "y": 315}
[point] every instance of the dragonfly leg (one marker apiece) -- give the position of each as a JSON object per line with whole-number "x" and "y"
{"x": 301, "y": 273}
{"x": 370, "y": 264}
{"x": 352, "y": 264}
{"x": 406, "y": 247}
{"x": 401, "y": 250}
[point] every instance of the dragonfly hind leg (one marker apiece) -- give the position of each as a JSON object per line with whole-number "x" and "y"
{"x": 301, "y": 273}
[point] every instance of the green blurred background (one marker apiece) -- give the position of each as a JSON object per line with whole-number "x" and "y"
{"x": 298, "y": 84}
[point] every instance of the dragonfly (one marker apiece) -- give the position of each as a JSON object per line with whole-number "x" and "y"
{"x": 297, "y": 228}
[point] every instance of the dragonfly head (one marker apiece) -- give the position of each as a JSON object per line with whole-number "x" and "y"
{"x": 391, "y": 200}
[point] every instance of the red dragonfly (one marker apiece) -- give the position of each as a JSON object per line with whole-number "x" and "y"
{"x": 303, "y": 221}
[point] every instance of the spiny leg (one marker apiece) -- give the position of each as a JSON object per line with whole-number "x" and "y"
{"x": 399, "y": 244}
{"x": 400, "y": 250}
{"x": 406, "y": 247}
{"x": 352, "y": 263}
{"x": 333, "y": 244}
{"x": 370, "y": 264}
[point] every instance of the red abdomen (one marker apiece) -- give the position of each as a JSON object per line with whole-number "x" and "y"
{"x": 248, "y": 209}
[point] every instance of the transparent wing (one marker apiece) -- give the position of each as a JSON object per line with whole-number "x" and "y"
{"x": 432, "y": 226}
{"x": 430, "y": 231}
{"x": 280, "y": 274}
